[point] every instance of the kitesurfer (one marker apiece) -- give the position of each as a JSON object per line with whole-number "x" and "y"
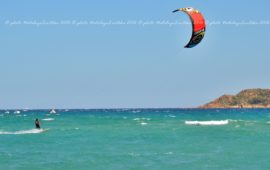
{"x": 37, "y": 123}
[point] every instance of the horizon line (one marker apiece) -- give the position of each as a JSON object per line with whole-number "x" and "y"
{"x": 145, "y": 108}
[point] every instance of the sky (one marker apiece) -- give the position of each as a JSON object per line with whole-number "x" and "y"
{"x": 117, "y": 54}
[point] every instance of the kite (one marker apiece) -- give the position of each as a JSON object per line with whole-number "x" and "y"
{"x": 198, "y": 25}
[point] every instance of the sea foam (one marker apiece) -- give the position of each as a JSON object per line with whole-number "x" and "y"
{"x": 138, "y": 119}
{"x": 143, "y": 123}
{"x": 48, "y": 119}
{"x": 208, "y": 123}
{"x": 21, "y": 132}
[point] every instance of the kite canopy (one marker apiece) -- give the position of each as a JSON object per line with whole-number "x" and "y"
{"x": 198, "y": 25}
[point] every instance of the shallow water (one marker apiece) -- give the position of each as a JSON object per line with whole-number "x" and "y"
{"x": 136, "y": 139}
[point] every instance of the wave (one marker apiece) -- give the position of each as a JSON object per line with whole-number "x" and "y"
{"x": 48, "y": 119}
{"x": 22, "y": 132}
{"x": 208, "y": 123}
{"x": 138, "y": 119}
{"x": 168, "y": 153}
{"x": 143, "y": 123}
{"x": 240, "y": 120}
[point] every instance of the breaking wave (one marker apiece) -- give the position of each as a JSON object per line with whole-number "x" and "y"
{"x": 22, "y": 132}
{"x": 48, "y": 119}
{"x": 138, "y": 119}
{"x": 208, "y": 123}
{"x": 143, "y": 123}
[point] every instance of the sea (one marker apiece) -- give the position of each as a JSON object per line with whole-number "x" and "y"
{"x": 136, "y": 139}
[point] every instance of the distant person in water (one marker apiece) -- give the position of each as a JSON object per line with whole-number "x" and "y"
{"x": 37, "y": 123}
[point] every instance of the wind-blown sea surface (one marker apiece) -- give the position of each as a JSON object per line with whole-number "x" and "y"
{"x": 136, "y": 139}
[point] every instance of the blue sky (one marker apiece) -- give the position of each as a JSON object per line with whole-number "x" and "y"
{"x": 127, "y": 66}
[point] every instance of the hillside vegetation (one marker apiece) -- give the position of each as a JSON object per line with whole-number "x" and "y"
{"x": 250, "y": 98}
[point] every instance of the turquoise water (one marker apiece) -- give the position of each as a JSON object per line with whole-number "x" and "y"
{"x": 135, "y": 139}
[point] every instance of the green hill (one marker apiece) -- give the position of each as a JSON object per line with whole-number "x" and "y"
{"x": 250, "y": 98}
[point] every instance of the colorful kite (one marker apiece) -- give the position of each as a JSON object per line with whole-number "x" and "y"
{"x": 198, "y": 25}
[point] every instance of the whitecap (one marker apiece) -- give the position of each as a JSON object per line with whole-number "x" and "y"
{"x": 208, "y": 123}
{"x": 17, "y": 112}
{"x": 48, "y": 119}
{"x": 172, "y": 116}
{"x": 143, "y": 123}
{"x": 138, "y": 119}
{"x": 21, "y": 132}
